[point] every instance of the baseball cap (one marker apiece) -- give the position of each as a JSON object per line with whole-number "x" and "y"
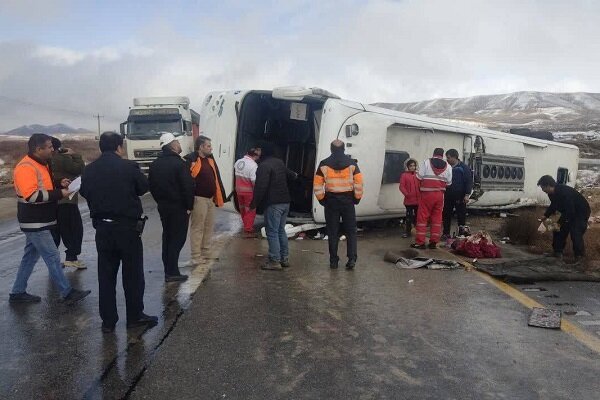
{"x": 166, "y": 138}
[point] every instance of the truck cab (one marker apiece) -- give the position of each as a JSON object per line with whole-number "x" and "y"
{"x": 150, "y": 116}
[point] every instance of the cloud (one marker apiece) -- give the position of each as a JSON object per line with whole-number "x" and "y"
{"x": 33, "y": 10}
{"x": 377, "y": 50}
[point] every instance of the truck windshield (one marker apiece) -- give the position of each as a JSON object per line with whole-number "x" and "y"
{"x": 149, "y": 129}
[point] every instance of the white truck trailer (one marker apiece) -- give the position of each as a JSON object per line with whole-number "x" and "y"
{"x": 150, "y": 116}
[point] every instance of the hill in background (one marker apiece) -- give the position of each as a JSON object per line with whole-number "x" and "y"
{"x": 562, "y": 112}
{"x": 27, "y": 130}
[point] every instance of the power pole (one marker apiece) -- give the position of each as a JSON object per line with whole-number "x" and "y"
{"x": 98, "y": 116}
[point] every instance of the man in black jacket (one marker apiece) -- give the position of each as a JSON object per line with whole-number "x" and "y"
{"x": 112, "y": 186}
{"x": 271, "y": 196}
{"x": 574, "y": 214}
{"x": 172, "y": 187}
{"x": 457, "y": 195}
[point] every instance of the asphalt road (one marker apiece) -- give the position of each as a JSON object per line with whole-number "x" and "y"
{"x": 53, "y": 351}
{"x": 308, "y": 332}
{"x": 373, "y": 333}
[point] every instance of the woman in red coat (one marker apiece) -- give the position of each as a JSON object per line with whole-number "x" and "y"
{"x": 409, "y": 186}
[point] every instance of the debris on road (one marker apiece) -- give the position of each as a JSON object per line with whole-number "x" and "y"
{"x": 479, "y": 245}
{"x": 545, "y": 318}
{"x": 410, "y": 259}
{"x": 537, "y": 269}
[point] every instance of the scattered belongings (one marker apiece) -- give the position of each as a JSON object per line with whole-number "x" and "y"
{"x": 479, "y": 245}
{"x": 538, "y": 269}
{"x": 548, "y": 226}
{"x": 410, "y": 259}
{"x": 291, "y": 230}
{"x": 594, "y": 220}
{"x": 545, "y": 318}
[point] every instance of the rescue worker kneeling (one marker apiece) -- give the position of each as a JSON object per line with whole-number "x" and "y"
{"x": 338, "y": 185}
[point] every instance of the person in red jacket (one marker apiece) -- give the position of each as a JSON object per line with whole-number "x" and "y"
{"x": 434, "y": 176}
{"x": 409, "y": 186}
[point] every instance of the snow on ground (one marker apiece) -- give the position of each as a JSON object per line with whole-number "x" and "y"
{"x": 587, "y": 178}
{"x": 587, "y": 135}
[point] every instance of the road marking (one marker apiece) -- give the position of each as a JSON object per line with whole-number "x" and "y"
{"x": 584, "y": 337}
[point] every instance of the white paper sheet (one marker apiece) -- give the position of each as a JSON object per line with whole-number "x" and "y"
{"x": 74, "y": 186}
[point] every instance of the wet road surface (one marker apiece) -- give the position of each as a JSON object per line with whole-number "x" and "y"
{"x": 54, "y": 351}
{"x": 310, "y": 332}
{"x": 307, "y": 332}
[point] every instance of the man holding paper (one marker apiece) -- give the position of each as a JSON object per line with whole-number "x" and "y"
{"x": 65, "y": 163}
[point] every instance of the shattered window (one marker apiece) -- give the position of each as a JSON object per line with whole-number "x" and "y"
{"x": 393, "y": 166}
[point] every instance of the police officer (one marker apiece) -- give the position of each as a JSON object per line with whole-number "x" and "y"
{"x": 338, "y": 185}
{"x": 112, "y": 186}
{"x": 172, "y": 187}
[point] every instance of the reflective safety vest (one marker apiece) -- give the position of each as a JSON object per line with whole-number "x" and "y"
{"x": 245, "y": 174}
{"x": 346, "y": 180}
{"x": 195, "y": 169}
{"x": 36, "y": 195}
{"x": 434, "y": 179}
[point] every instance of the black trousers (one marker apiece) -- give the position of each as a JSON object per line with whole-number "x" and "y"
{"x": 454, "y": 201}
{"x": 576, "y": 229}
{"x": 119, "y": 244}
{"x": 411, "y": 218}
{"x": 69, "y": 228}
{"x": 336, "y": 208}
{"x": 175, "y": 221}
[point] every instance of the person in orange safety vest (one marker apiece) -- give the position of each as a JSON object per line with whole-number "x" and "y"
{"x": 208, "y": 193}
{"x": 37, "y": 205}
{"x": 338, "y": 185}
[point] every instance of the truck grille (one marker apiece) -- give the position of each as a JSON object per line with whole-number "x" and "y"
{"x": 146, "y": 153}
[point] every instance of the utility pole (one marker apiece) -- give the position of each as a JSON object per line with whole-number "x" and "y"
{"x": 98, "y": 116}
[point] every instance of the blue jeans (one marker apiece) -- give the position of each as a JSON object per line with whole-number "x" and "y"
{"x": 41, "y": 243}
{"x": 275, "y": 217}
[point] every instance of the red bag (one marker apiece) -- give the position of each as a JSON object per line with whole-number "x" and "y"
{"x": 479, "y": 245}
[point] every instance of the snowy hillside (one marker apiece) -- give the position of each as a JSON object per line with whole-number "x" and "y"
{"x": 536, "y": 110}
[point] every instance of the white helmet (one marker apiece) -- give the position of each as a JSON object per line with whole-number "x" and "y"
{"x": 166, "y": 138}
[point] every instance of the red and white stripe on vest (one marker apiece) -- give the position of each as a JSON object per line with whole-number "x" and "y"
{"x": 245, "y": 174}
{"x": 434, "y": 179}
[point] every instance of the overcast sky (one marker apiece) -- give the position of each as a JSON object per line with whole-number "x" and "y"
{"x": 65, "y": 60}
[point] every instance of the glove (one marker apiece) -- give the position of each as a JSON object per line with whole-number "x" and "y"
{"x": 356, "y": 201}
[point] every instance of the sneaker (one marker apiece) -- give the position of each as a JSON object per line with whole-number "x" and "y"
{"x": 333, "y": 265}
{"x": 405, "y": 235}
{"x": 350, "y": 264}
{"x": 418, "y": 246}
{"x": 75, "y": 295}
{"x": 432, "y": 245}
{"x": 272, "y": 266}
{"x": 145, "y": 320}
{"x": 176, "y": 278}
{"x": 78, "y": 264}
{"x": 285, "y": 263}
{"x": 249, "y": 235}
{"x": 23, "y": 298}
{"x": 107, "y": 328}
